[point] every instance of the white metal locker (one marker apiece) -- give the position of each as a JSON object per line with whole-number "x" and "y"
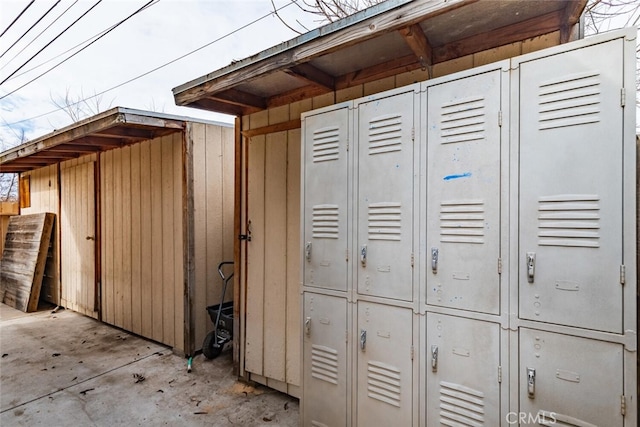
{"x": 325, "y": 199}
{"x": 571, "y": 186}
{"x": 325, "y": 361}
{"x": 463, "y": 371}
{"x": 463, "y": 193}
{"x": 385, "y": 365}
{"x": 385, "y": 196}
{"x": 569, "y": 380}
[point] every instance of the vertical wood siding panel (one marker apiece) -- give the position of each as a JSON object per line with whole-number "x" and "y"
{"x": 125, "y": 278}
{"x": 275, "y": 278}
{"x": 118, "y": 239}
{"x": 146, "y": 248}
{"x": 214, "y": 213}
{"x": 199, "y": 297}
{"x": 156, "y": 239}
{"x": 228, "y": 194}
{"x": 178, "y": 263}
{"x": 108, "y": 236}
{"x": 136, "y": 237}
{"x": 82, "y": 212}
{"x": 294, "y": 252}
{"x": 167, "y": 243}
{"x": 255, "y": 257}
{"x": 91, "y": 224}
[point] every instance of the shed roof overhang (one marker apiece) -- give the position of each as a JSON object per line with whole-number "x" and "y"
{"x": 384, "y": 40}
{"x": 114, "y": 128}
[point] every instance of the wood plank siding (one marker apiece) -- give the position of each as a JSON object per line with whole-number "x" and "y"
{"x": 142, "y": 252}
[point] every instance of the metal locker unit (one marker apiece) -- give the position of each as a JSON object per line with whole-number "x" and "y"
{"x": 464, "y": 372}
{"x": 571, "y": 188}
{"x": 384, "y": 360}
{"x": 573, "y": 381}
{"x": 463, "y": 227}
{"x": 386, "y": 177}
{"x": 574, "y": 280}
{"x": 326, "y": 197}
{"x": 325, "y": 361}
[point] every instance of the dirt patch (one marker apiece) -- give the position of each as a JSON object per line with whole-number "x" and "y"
{"x": 245, "y": 390}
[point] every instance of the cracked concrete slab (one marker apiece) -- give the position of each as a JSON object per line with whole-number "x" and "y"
{"x": 65, "y": 368}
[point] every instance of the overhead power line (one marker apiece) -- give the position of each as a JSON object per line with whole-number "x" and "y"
{"x": 31, "y": 27}
{"x": 95, "y": 95}
{"x": 39, "y": 34}
{"x": 54, "y": 39}
{"x": 17, "y": 17}
{"x": 148, "y": 4}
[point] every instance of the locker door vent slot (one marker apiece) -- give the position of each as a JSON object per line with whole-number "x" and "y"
{"x": 569, "y": 101}
{"x": 324, "y": 364}
{"x": 318, "y": 424}
{"x": 462, "y": 221}
{"x": 325, "y": 222}
{"x": 385, "y": 134}
{"x": 385, "y": 221}
{"x": 463, "y": 120}
{"x": 548, "y": 418}
{"x": 569, "y": 220}
{"x": 460, "y": 405}
{"x": 326, "y": 144}
{"x": 383, "y": 383}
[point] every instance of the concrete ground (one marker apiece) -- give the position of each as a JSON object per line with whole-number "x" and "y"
{"x": 67, "y": 369}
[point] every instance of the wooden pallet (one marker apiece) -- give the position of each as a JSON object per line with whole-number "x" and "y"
{"x": 24, "y": 259}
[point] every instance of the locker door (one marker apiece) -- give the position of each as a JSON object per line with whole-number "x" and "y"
{"x": 463, "y": 357}
{"x": 557, "y": 385}
{"x": 325, "y": 360}
{"x": 325, "y": 199}
{"x": 385, "y": 376}
{"x": 570, "y": 210}
{"x": 463, "y": 193}
{"x": 385, "y": 197}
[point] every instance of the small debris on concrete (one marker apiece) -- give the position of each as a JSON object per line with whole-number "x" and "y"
{"x": 84, "y": 392}
{"x": 286, "y": 406}
{"x": 4, "y": 355}
{"x": 139, "y": 378}
{"x": 160, "y": 391}
{"x": 55, "y": 355}
{"x": 268, "y": 417}
{"x": 201, "y": 413}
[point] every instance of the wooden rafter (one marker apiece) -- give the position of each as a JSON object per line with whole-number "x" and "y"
{"x": 313, "y": 75}
{"x": 419, "y": 44}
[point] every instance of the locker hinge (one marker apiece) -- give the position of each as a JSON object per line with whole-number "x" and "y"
{"x": 413, "y": 133}
{"x": 623, "y": 97}
{"x": 412, "y": 260}
{"x": 346, "y": 336}
{"x": 499, "y": 265}
{"x": 500, "y": 118}
{"x": 623, "y": 275}
{"x": 499, "y": 374}
{"x": 346, "y": 255}
{"x": 623, "y": 405}
{"x": 412, "y": 352}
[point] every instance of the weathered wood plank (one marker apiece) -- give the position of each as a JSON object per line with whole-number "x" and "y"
{"x": 22, "y": 290}
{"x": 146, "y": 242}
{"x": 199, "y": 316}
{"x": 156, "y": 239}
{"x": 168, "y": 266}
{"x": 294, "y": 255}
{"x": 254, "y": 339}
{"x": 136, "y": 288}
{"x": 126, "y": 220}
{"x": 178, "y": 252}
{"x": 275, "y": 271}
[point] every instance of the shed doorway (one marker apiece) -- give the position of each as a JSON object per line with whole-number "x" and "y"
{"x": 78, "y": 239}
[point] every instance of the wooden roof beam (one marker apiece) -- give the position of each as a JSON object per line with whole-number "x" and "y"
{"x": 241, "y": 98}
{"x": 571, "y": 16}
{"x": 312, "y": 75}
{"x": 419, "y": 44}
{"x": 70, "y": 148}
{"x": 530, "y": 28}
{"x": 126, "y": 133}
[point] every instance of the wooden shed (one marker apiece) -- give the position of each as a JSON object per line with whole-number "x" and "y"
{"x": 144, "y": 214}
{"x": 390, "y": 45}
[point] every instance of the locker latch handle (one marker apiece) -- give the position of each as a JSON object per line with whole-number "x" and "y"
{"x": 307, "y": 251}
{"x": 363, "y": 339}
{"x": 434, "y": 358}
{"x": 363, "y": 255}
{"x": 434, "y": 260}
{"x": 531, "y": 383}
{"x": 307, "y": 325}
{"x": 531, "y": 266}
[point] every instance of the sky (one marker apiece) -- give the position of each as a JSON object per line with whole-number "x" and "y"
{"x": 166, "y": 30}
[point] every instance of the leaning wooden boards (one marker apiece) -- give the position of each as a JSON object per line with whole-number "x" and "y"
{"x": 23, "y": 260}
